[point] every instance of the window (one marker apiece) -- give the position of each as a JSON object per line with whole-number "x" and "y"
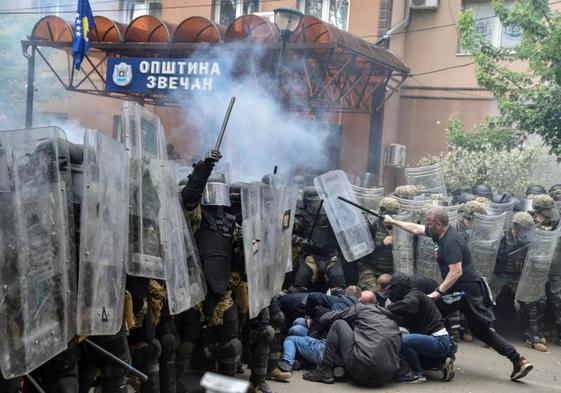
{"x": 488, "y": 26}
{"x": 136, "y": 8}
{"x": 228, "y": 10}
{"x": 335, "y": 12}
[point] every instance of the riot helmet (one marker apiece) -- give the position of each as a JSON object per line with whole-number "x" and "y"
{"x": 311, "y": 199}
{"x": 522, "y": 224}
{"x": 439, "y": 200}
{"x": 483, "y": 191}
{"x": 555, "y": 192}
{"x": 464, "y": 197}
{"x": 535, "y": 189}
{"x": 472, "y": 207}
{"x": 389, "y": 205}
{"x": 406, "y": 192}
{"x": 217, "y": 191}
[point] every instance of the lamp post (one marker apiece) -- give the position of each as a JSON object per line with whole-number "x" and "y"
{"x": 287, "y": 21}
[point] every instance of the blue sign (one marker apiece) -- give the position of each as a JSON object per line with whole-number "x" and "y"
{"x": 151, "y": 75}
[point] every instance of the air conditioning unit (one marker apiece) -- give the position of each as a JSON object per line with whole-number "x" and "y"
{"x": 424, "y": 4}
{"x": 395, "y": 155}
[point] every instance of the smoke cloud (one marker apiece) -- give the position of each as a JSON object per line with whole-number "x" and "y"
{"x": 261, "y": 134}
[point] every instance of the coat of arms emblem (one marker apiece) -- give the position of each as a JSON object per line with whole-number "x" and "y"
{"x": 122, "y": 74}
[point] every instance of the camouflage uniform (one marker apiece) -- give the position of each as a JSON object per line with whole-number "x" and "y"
{"x": 380, "y": 261}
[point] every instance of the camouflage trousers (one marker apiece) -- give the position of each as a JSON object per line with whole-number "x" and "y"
{"x": 367, "y": 276}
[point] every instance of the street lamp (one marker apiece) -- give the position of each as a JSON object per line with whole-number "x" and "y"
{"x": 287, "y": 21}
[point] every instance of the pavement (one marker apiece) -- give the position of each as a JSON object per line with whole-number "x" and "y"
{"x": 478, "y": 369}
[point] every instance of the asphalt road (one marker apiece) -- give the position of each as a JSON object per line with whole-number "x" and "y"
{"x": 478, "y": 369}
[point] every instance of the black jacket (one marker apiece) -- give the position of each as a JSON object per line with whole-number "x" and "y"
{"x": 375, "y": 352}
{"x": 417, "y": 313}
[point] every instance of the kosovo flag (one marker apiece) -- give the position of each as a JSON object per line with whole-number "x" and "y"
{"x": 83, "y": 26}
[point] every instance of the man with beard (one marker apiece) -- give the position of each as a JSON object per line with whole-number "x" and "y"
{"x": 459, "y": 276}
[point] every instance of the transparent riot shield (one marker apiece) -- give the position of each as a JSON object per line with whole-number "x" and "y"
{"x": 104, "y": 232}
{"x": 34, "y": 250}
{"x": 417, "y": 207}
{"x": 496, "y": 209}
{"x": 368, "y": 197}
{"x": 185, "y": 285}
{"x": 288, "y": 198}
{"x": 429, "y": 178}
{"x": 261, "y": 210}
{"x": 537, "y": 266}
{"x": 145, "y": 139}
{"x": 484, "y": 240}
{"x": 403, "y": 247}
{"x": 348, "y": 222}
{"x": 181, "y": 170}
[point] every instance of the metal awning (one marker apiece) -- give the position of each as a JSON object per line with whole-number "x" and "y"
{"x": 335, "y": 70}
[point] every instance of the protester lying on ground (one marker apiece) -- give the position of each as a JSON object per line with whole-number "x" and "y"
{"x": 428, "y": 344}
{"x": 364, "y": 341}
{"x": 299, "y": 350}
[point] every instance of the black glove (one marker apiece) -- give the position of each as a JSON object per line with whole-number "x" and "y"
{"x": 213, "y": 156}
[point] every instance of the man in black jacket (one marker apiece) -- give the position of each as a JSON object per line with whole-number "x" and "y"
{"x": 428, "y": 343}
{"x": 363, "y": 340}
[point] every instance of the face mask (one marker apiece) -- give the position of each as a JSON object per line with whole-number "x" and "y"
{"x": 433, "y": 235}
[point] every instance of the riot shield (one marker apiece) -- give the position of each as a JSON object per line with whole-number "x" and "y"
{"x": 104, "y": 232}
{"x": 484, "y": 239}
{"x": 263, "y": 213}
{"x": 181, "y": 170}
{"x": 288, "y": 199}
{"x": 145, "y": 139}
{"x": 429, "y": 178}
{"x": 495, "y": 209}
{"x": 368, "y": 197}
{"x": 537, "y": 266}
{"x": 348, "y": 222}
{"x": 34, "y": 250}
{"x": 184, "y": 286}
{"x": 415, "y": 206}
{"x": 403, "y": 247}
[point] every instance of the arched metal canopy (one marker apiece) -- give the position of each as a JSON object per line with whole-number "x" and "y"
{"x": 332, "y": 69}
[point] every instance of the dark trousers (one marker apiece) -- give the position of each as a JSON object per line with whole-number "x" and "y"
{"x": 338, "y": 348}
{"x": 416, "y": 347}
{"x": 479, "y": 324}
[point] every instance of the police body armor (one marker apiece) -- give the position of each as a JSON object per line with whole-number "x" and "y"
{"x": 214, "y": 241}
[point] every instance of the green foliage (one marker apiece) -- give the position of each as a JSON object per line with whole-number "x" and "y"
{"x": 492, "y": 132}
{"x": 529, "y": 100}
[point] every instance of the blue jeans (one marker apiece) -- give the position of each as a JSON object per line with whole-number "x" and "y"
{"x": 310, "y": 349}
{"x": 299, "y": 328}
{"x": 433, "y": 349}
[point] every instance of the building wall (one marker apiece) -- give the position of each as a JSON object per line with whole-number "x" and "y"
{"x": 426, "y": 101}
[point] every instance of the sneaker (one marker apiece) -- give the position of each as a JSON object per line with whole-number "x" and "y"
{"x": 412, "y": 378}
{"x": 279, "y": 375}
{"x": 520, "y": 369}
{"x": 320, "y": 374}
{"x": 467, "y": 337}
{"x": 339, "y": 372}
{"x": 284, "y": 366}
{"x": 537, "y": 345}
{"x": 542, "y": 340}
{"x": 448, "y": 370}
{"x": 261, "y": 387}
